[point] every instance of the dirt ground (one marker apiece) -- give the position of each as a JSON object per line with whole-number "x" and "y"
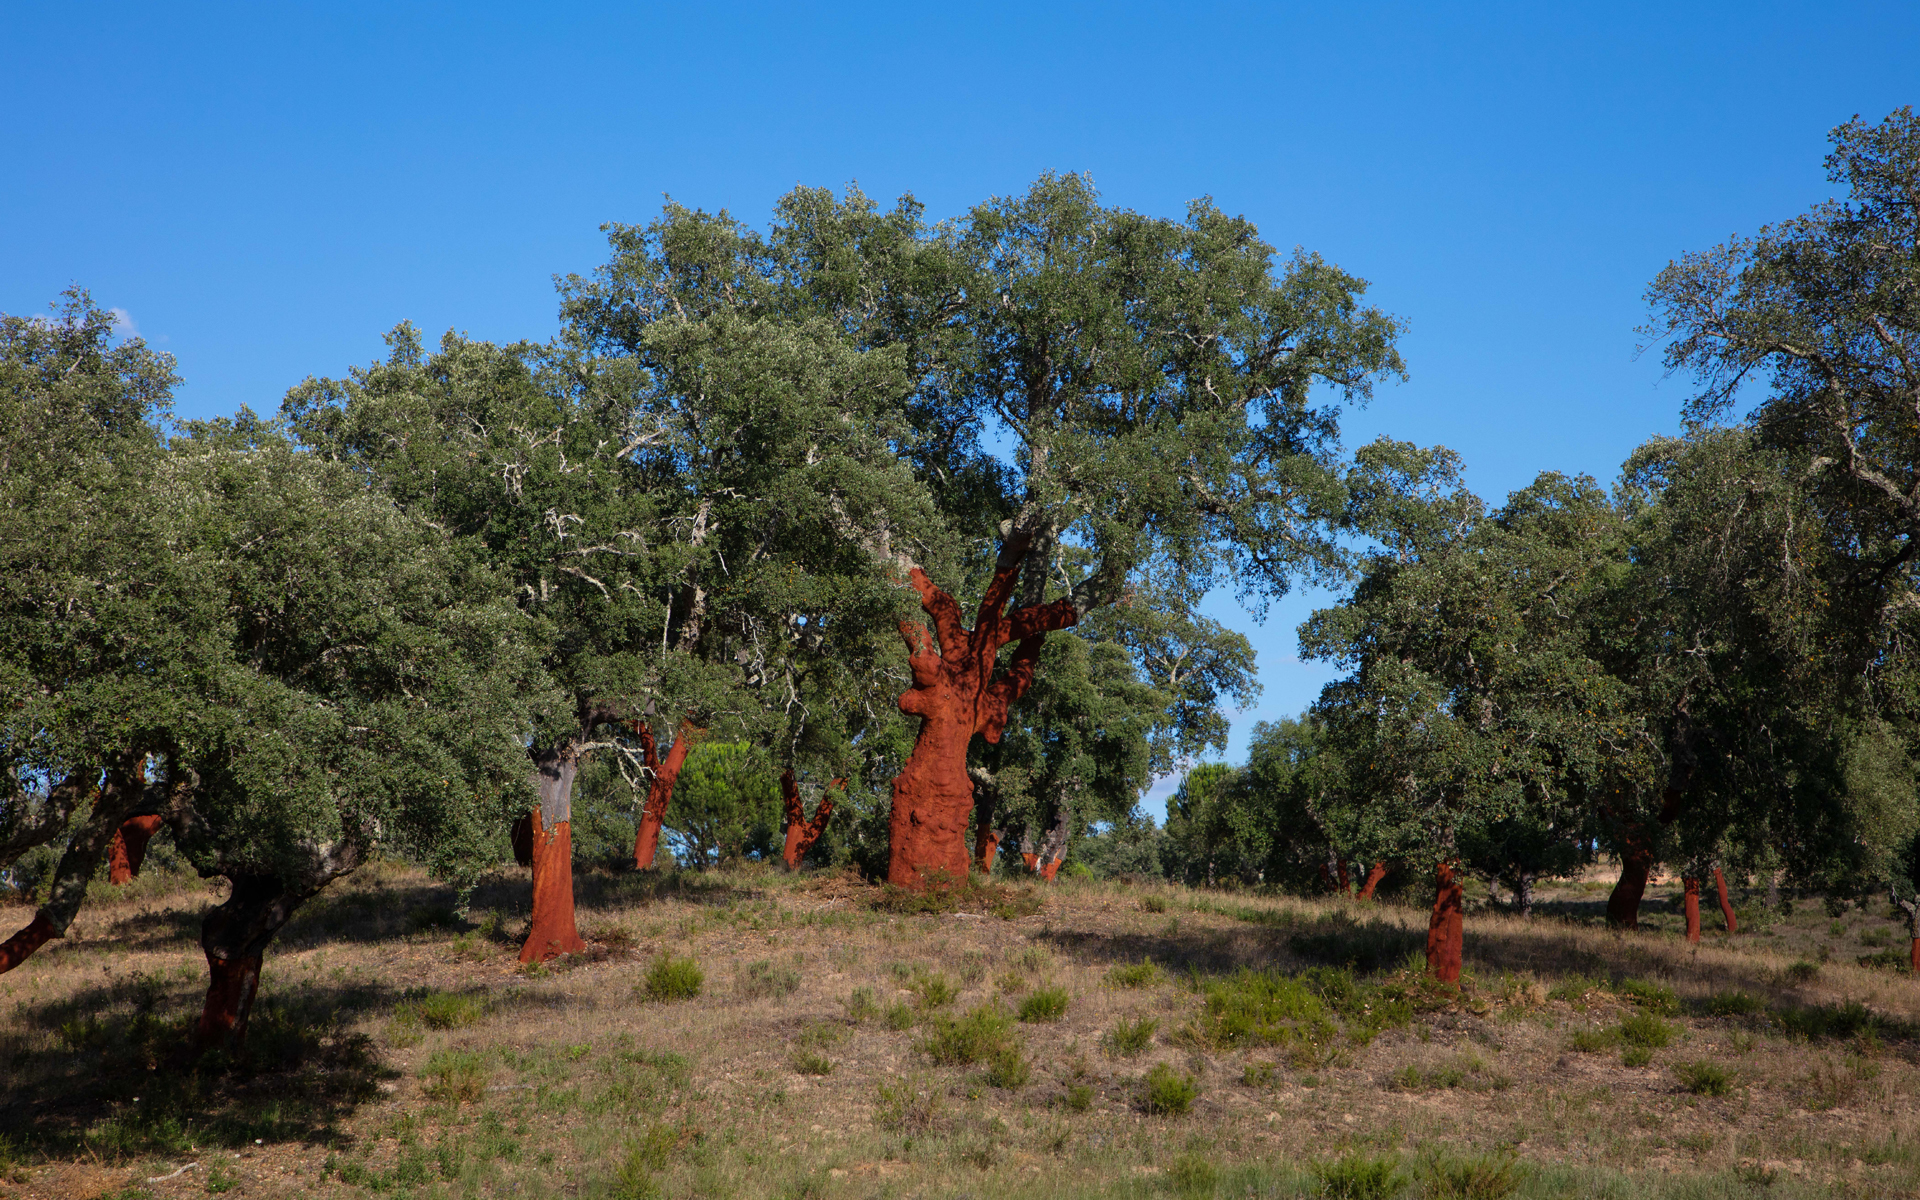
{"x": 839, "y": 1049}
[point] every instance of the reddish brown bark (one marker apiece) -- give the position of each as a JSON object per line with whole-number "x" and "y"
{"x": 1726, "y": 905}
{"x": 129, "y": 848}
{"x": 1636, "y": 861}
{"x": 1345, "y": 886}
{"x": 1374, "y": 877}
{"x": 553, "y": 931}
{"x": 958, "y": 692}
{"x": 646, "y": 840}
{"x": 1031, "y": 859}
{"x": 1913, "y": 956}
{"x": 18, "y": 948}
{"x": 985, "y": 846}
{"x": 1444, "y": 927}
{"x": 1692, "y": 906}
{"x": 231, "y": 986}
{"x": 801, "y": 832}
{"x": 1051, "y": 868}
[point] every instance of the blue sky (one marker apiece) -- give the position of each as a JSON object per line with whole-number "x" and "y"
{"x": 264, "y": 190}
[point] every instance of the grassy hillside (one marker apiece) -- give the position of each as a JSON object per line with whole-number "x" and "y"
{"x": 754, "y": 1034}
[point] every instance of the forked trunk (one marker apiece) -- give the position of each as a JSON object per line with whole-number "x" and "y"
{"x": 801, "y": 832}
{"x": 1726, "y": 905}
{"x": 120, "y": 790}
{"x": 1374, "y": 877}
{"x": 550, "y": 835}
{"x": 957, "y": 692}
{"x": 646, "y": 840}
{"x": 1636, "y": 860}
{"x": 1444, "y": 926}
{"x": 129, "y": 848}
{"x": 1692, "y": 905}
{"x": 234, "y": 937}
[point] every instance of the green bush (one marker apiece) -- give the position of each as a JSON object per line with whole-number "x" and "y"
{"x": 861, "y": 1005}
{"x": 899, "y": 1017}
{"x": 1803, "y": 971}
{"x": 1193, "y": 1175}
{"x": 1649, "y": 997}
{"x": 1636, "y": 1056}
{"x": 1481, "y": 1177}
{"x": 933, "y": 989}
{"x": 811, "y": 1062}
{"x": 1359, "y": 1177}
{"x": 963, "y": 1041}
{"x": 761, "y": 980}
{"x": 671, "y": 978}
{"x": 1704, "y": 1078}
{"x": 1255, "y": 1008}
{"x": 1008, "y": 1068}
{"x": 1129, "y": 1038}
{"x": 1153, "y": 904}
{"x": 1732, "y": 1004}
{"x": 456, "y": 1076}
{"x": 1165, "y": 1092}
{"x": 1573, "y": 989}
{"x": 1594, "y": 1041}
{"x": 906, "y": 1107}
{"x": 443, "y": 1010}
{"x": 1080, "y": 1097}
{"x": 1045, "y": 1005}
{"x": 1645, "y": 1029}
{"x": 1139, "y": 975}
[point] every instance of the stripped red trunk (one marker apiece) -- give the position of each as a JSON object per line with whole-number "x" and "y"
{"x": 1726, "y": 905}
{"x": 1050, "y": 868}
{"x": 1031, "y": 860}
{"x": 1692, "y": 906}
{"x": 1345, "y": 886}
{"x": 550, "y": 844}
{"x": 77, "y": 865}
{"x": 231, "y": 987}
{"x": 957, "y": 692}
{"x": 234, "y": 936}
{"x": 1374, "y": 877}
{"x": 802, "y": 833}
{"x": 646, "y": 840}
{"x": 1444, "y": 926}
{"x": 129, "y": 848}
{"x": 18, "y": 948}
{"x": 986, "y": 845}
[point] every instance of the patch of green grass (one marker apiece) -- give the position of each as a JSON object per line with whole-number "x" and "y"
{"x": 220, "y": 1179}
{"x": 764, "y": 980}
{"x": 1732, "y": 1004}
{"x": 1193, "y": 1175}
{"x": 1887, "y": 960}
{"x": 1129, "y": 1038}
{"x": 1802, "y": 971}
{"x": 670, "y": 979}
{"x": 900, "y": 1017}
{"x": 933, "y": 990}
{"x": 1136, "y": 975}
{"x": 1167, "y": 1093}
{"x": 1259, "y": 1074}
{"x": 1573, "y": 989}
{"x": 811, "y": 1062}
{"x": 861, "y": 1006}
{"x": 1360, "y": 1177}
{"x": 1079, "y": 1097}
{"x": 1044, "y": 1006}
{"x": 1264, "y": 1008}
{"x": 1656, "y": 998}
{"x": 443, "y": 1010}
{"x": 968, "y": 1039}
{"x": 1594, "y": 1041}
{"x": 456, "y": 1076}
{"x": 1636, "y": 1056}
{"x": 906, "y": 1106}
{"x": 1703, "y": 1078}
{"x": 1007, "y": 1067}
{"x": 1645, "y": 1029}
{"x": 1476, "y": 1177}
{"x": 1153, "y": 904}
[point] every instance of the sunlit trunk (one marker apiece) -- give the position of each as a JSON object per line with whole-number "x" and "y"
{"x": 550, "y": 837}
{"x": 1445, "y": 926}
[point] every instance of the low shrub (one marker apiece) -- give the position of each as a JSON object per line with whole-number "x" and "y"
{"x": 1645, "y": 1029}
{"x": 1264, "y": 1008}
{"x": 1007, "y": 1067}
{"x": 1802, "y": 971}
{"x": 906, "y": 1106}
{"x": 965, "y": 1040}
{"x": 1129, "y": 1038}
{"x": 1193, "y": 1175}
{"x": 456, "y": 1076}
{"x": 861, "y": 1006}
{"x": 1703, "y": 1078}
{"x": 899, "y": 1017}
{"x": 1153, "y": 904}
{"x": 764, "y": 980}
{"x": 1656, "y": 998}
{"x": 1594, "y": 1041}
{"x": 1573, "y": 989}
{"x": 443, "y": 1010}
{"x": 1138, "y": 975}
{"x": 1359, "y": 1177}
{"x": 1167, "y": 1093}
{"x": 1731, "y": 1004}
{"x": 1477, "y": 1177}
{"x": 933, "y": 990}
{"x": 1044, "y": 1006}
{"x": 811, "y": 1062}
{"x": 670, "y": 979}
{"x": 1080, "y": 1097}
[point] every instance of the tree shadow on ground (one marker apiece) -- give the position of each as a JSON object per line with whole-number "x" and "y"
{"x": 99, "y": 1073}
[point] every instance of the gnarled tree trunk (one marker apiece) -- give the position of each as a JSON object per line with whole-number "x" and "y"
{"x": 801, "y": 832}
{"x": 129, "y": 848}
{"x": 1374, "y": 877}
{"x": 119, "y": 791}
{"x": 550, "y": 844}
{"x": 234, "y": 936}
{"x": 1726, "y": 905}
{"x": 1444, "y": 926}
{"x": 1636, "y": 861}
{"x": 1523, "y": 892}
{"x": 1912, "y": 909}
{"x": 957, "y": 692}
{"x": 1691, "y": 904}
{"x": 646, "y": 840}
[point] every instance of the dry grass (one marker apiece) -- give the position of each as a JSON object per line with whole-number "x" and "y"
{"x": 400, "y": 1050}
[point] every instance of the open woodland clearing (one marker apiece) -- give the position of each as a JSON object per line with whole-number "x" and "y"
{"x": 836, "y": 1048}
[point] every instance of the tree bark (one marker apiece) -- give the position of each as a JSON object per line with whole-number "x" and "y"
{"x": 1912, "y": 909}
{"x": 550, "y": 837}
{"x": 1726, "y": 905}
{"x": 957, "y": 692}
{"x": 1053, "y": 847}
{"x": 1346, "y": 888}
{"x": 801, "y": 832}
{"x": 1444, "y": 926}
{"x": 1636, "y": 860}
{"x": 1691, "y": 904}
{"x": 986, "y": 839}
{"x": 646, "y": 840}
{"x": 1523, "y": 892}
{"x": 129, "y": 848}
{"x": 234, "y": 937}
{"x": 1374, "y": 877}
{"x": 119, "y": 791}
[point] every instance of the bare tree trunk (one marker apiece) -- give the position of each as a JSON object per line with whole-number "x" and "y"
{"x": 1912, "y": 909}
{"x": 1053, "y": 850}
{"x": 129, "y": 848}
{"x": 1445, "y": 926}
{"x": 553, "y": 931}
{"x": 1726, "y": 905}
{"x": 1691, "y": 904}
{"x": 1523, "y": 892}
{"x": 234, "y": 937}
{"x": 1374, "y": 877}
{"x": 802, "y": 833}
{"x": 646, "y": 840}
{"x": 986, "y": 839}
{"x": 1636, "y": 860}
{"x": 957, "y": 692}
{"x": 119, "y": 791}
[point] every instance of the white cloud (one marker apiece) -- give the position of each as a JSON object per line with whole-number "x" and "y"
{"x": 123, "y": 322}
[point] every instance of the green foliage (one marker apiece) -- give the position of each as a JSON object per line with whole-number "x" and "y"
{"x": 811, "y": 1062}
{"x": 1704, "y": 1078}
{"x": 1044, "y": 1005}
{"x": 763, "y": 980}
{"x": 1138, "y": 975}
{"x": 1732, "y": 1004}
{"x": 1165, "y": 1092}
{"x": 1129, "y": 1037}
{"x": 907, "y": 1106}
{"x": 1470, "y": 1177}
{"x": 1264, "y": 1008}
{"x": 456, "y": 1076}
{"x": 1645, "y": 1029}
{"x": 1079, "y": 1097}
{"x": 1359, "y": 1177}
{"x": 973, "y": 1037}
{"x": 443, "y": 1010}
{"x": 1193, "y": 1175}
{"x": 1655, "y": 998}
{"x": 726, "y": 805}
{"x": 931, "y": 989}
{"x": 1007, "y": 1067}
{"x": 899, "y": 1017}
{"x": 671, "y": 978}
{"x": 861, "y": 1005}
